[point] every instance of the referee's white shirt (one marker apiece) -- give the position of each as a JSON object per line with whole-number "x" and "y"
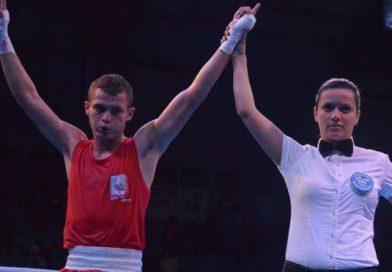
{"x": 331, "y": 225}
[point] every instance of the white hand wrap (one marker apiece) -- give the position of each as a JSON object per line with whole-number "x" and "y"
{"x": 243, "y": 25}
{"x": 5, "y": 42}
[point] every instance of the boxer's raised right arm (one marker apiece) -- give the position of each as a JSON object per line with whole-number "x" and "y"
{"x": 61, "y": 134}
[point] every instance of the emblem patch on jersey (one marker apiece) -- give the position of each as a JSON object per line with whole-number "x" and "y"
{"x": 361, "y": 183}
{"x": 119, "y": 188}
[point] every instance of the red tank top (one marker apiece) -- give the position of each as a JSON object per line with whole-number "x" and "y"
{"x": 107, "y": 199}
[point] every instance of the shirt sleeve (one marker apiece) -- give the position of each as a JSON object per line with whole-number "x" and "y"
{"x": 386, "y": 190}
{"x": 291, "y": 152}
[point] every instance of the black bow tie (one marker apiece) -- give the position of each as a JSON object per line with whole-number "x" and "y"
{"x": 345, "y": 147}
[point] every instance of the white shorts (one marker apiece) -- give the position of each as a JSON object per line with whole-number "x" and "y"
{"x": 108, "y": 259}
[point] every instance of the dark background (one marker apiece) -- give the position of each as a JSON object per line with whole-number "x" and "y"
{"x": 218, "y": 203}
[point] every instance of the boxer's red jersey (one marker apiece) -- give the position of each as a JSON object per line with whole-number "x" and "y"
{"x": 107, "y": 199}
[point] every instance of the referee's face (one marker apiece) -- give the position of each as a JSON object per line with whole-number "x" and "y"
{"x": 336, "y": 114}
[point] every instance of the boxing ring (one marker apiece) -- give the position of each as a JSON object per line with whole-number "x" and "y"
{"x": 23, "y": 269}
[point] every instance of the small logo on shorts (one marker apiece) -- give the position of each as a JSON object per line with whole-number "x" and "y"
{"x": 119, "y": 188}
{"x": 361, "y": 183}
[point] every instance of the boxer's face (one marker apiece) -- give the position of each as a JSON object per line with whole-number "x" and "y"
{"x": 336, "y": 114}
{"x": 108, "y": 114}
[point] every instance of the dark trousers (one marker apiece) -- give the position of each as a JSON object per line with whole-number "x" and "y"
{"x": 293, "y": 267}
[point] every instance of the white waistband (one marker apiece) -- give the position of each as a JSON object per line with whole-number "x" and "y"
{"x": 108, "y": 259}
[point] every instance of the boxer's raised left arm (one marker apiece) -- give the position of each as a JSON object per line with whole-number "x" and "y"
{"x": 154, "y": 137}
{"x": 180, "y": 109}
{"x": 177, "y": 113}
